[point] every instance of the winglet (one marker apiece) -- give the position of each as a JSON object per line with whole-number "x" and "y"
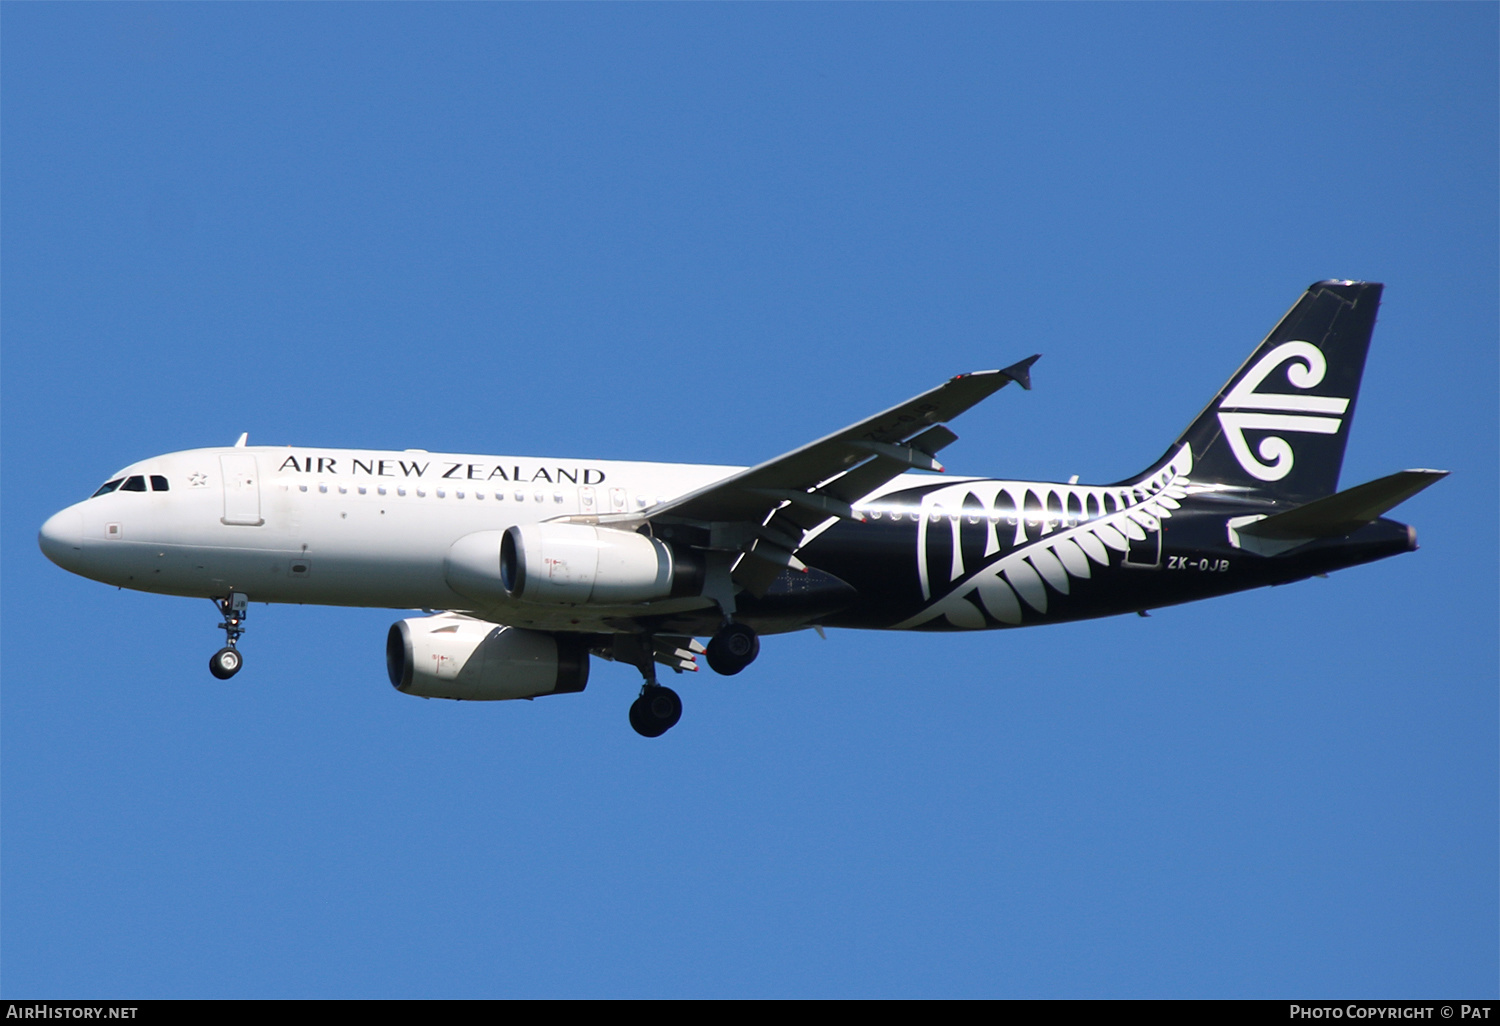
{"x": 1020, "y": 373}
{"x": 240, "y": 442}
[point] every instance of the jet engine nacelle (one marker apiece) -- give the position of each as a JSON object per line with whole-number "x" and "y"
{"x": 571, "y": 564}
{"x": 452, "y": 656}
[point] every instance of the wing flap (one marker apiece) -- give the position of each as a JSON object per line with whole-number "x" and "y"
{"x": 677, "y": 653}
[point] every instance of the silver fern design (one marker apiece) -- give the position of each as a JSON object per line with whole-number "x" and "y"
{"x": 1060, "y": 533}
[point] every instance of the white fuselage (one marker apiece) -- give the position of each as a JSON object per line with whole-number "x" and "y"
{"x": 333, "y": 526}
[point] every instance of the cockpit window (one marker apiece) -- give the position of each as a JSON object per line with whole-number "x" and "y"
{"x": 136, "y": 483}
{"x": 158, "y": 483}
{"x": 107, "y": 487}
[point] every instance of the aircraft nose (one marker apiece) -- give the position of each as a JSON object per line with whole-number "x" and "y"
{"x": 61, "y": 537}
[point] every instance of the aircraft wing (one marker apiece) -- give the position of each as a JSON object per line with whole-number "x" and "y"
{"x": 820, "y": 480}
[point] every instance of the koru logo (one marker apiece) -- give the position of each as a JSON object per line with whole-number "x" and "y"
{"x": 1311, "y": 414}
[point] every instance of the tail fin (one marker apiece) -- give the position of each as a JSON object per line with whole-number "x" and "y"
{"x": 1279, "y": 426}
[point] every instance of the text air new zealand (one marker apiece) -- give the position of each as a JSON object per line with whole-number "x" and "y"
{"x": 541, "y": 563}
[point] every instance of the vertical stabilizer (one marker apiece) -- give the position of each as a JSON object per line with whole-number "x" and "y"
{"x": 1279, "y": 426}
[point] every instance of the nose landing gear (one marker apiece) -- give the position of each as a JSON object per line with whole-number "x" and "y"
{"x": 226, "y": 662}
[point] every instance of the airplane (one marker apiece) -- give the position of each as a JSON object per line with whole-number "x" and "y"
{"x": 537, "y": 565}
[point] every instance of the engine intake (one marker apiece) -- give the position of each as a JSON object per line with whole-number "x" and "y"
{"x": 453, "y": 656}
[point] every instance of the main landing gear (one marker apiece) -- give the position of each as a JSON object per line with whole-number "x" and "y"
{"x": 657, "y": 709}
{"x": 732, "y": 649}
{"x": 226, "y": 662}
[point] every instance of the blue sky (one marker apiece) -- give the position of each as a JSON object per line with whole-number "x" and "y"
{"x": 710, "y": 234}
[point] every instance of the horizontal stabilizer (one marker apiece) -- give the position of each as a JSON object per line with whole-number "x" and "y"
{"x": 1344, "y": 511}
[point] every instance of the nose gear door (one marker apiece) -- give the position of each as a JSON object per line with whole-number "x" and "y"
{"x": 241, "y": 489}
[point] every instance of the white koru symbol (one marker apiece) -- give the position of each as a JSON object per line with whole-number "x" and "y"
{"x": 1303, "y": 374}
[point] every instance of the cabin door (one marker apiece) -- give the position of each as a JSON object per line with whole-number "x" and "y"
{"x": 241, "y": 489}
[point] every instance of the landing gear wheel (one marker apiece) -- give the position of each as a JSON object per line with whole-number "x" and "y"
{"x": 656, "y": 711}
{"x": 732, "y": 649}
{"x": 226, "y": 662}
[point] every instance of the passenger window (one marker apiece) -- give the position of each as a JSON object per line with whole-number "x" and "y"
{"x": 1054, "y": 508}
{"x": 158, "y": 483}
{"x": 134, "y": 484}
{"x": 1005, "y": 509}
{"x": 107, "y": 487}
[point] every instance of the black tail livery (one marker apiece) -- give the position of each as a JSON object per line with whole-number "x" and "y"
{"x": 1280, "y": 425}
{"x": 1246, "y": 497}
